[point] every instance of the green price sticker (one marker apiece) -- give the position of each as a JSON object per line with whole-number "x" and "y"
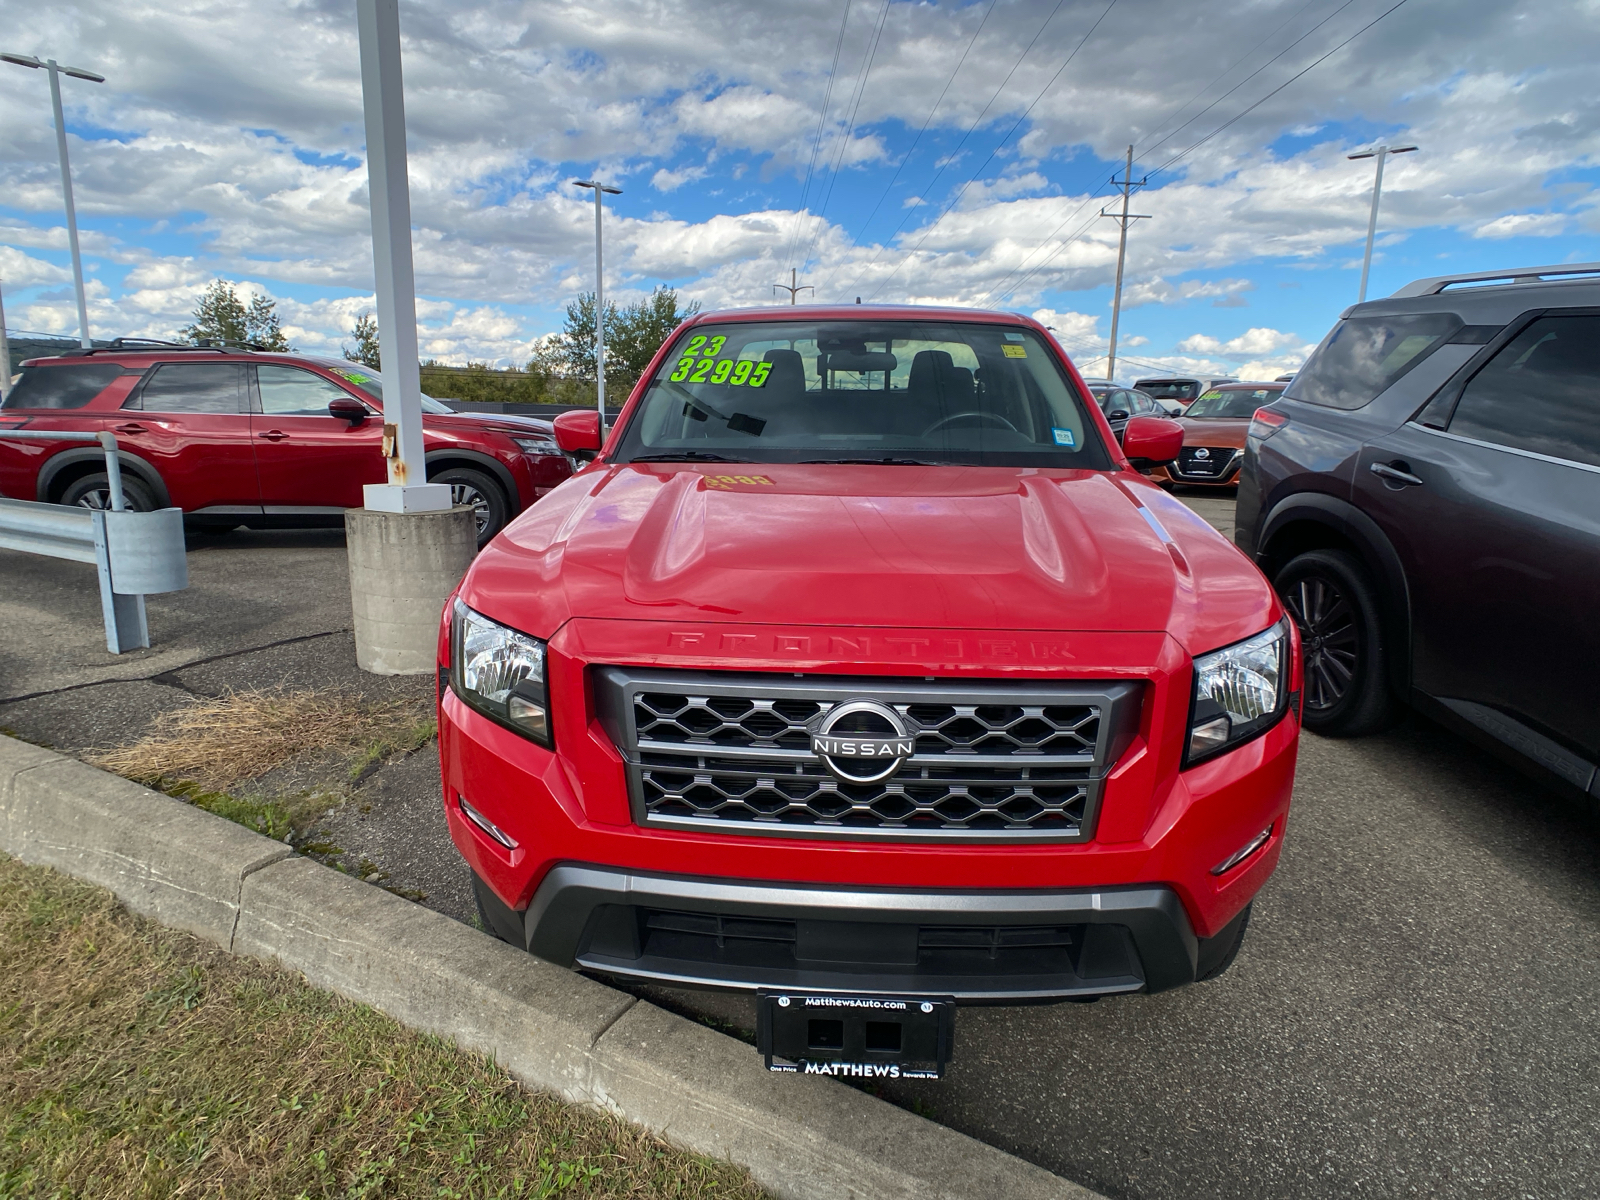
{"x": 740, "y": 373}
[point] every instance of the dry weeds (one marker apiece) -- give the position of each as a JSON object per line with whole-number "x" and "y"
{"x": 220, "y": 743}
{"x": 136, "y": 1061}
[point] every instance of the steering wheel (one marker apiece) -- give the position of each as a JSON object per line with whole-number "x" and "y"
{"x": 981, "y": 418}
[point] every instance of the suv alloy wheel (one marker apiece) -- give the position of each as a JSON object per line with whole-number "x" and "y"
{"x": 1336, "y": 607}
{"x": 480, "y": 493}
{"x": 94, "y": 491}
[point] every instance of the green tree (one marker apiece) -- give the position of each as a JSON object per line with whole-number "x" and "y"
{"x": 365, "y": 332}
{"x": 223, "y": 318}
{"x": 633, "y": 335}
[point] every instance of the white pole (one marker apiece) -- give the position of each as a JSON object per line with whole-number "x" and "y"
{"x": 1122, "y": 254}
{"x": 66, "y": 191}
{"x": 383, "y": 100}
{"x": 5, "y": 354}
{"x": 1372, "y": 222}
{"x": 599, "y": 309}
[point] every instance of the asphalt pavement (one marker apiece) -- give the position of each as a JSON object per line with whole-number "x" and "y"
{"x": 1415, "y": 1011}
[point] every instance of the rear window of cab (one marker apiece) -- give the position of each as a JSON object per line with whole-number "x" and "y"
{"x": 64, "y": 385}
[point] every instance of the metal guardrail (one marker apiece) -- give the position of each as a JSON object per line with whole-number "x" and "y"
{"x": 135, "y": 553}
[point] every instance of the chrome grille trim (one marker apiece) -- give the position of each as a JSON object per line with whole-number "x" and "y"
{"x": 730, "y": 754}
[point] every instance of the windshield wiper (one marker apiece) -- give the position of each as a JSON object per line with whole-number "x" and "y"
{"x": 687, "y": 456}
{"x": 872, "y": 462}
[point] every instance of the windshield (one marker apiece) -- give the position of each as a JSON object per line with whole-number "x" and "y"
{"x": 1169, "y": 389}
{"x": 1237, "y": 403}
{"x": 862, "y": 391}
{"x": 373, "y": 386}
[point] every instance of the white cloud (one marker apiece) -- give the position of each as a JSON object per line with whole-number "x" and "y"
{"x": 670, "y": 181}
{"x": 1523, "y": 225}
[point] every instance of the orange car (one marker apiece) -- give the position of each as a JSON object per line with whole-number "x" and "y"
{"x": 1213, "y": 435}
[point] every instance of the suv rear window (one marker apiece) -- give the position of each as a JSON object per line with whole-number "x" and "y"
{"x": 1363, "y": 356}
{"x": 70, "y": 385}
{"x": 1169, "y": 389}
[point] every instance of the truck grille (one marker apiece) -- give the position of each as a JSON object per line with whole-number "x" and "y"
{"x": 1214, "y": 463}
{"x": 996, "y": 762}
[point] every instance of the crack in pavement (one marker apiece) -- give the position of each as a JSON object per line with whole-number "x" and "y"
{"x": 168, "y": 676}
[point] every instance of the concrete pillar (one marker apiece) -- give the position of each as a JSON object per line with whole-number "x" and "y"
{"x": 402, "y": 567}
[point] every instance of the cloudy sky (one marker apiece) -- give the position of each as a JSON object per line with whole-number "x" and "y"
{"x": 957, "y": 151}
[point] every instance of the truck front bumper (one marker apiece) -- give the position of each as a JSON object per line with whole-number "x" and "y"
{"x": 980, "y": 947}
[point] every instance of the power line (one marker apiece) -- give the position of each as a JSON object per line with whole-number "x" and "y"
{"x": 956, "y": 152}
{"x": 957, "y": 199}
{"x": 816, "y": 144}
{"x": 850, "y": 127}
{"x": 1000, "y": 290}
{"x": 1182, "y": 154}
{"x": 916, "y": 141}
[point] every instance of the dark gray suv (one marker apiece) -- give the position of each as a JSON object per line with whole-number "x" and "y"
{"x": 1426, "y": 497}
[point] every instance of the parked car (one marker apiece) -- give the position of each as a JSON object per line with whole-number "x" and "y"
{"x": 1181, "y": 389}
{"x": 1425, "y": 496}
{"x": 1121, "y": 405}
{"x": 239, "y": 437}
{"x": 1214, "y": 433}
{"x": 862, "y": 662}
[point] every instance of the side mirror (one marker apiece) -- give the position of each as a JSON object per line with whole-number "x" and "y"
{"x": 1117, "y": 415}
{"x": 578, "y": 431}
{"x": 1151, "y": 441}
{"x": 348, "y": 410}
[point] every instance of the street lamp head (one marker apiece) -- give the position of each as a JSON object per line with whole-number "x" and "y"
{"x": 1401, "y": 149}
{"x": 80, "y": 73}
{"x": 1362, "y": 154}
{"x": 22, "y": 60}
{"x": 1377, "y": 150}
{"x": 604, "y": 187}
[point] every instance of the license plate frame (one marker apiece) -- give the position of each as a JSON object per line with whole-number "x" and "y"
{"x": 851, "y": 1036}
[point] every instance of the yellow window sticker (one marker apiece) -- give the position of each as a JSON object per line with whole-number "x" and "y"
{"x": 1011, "y": 351}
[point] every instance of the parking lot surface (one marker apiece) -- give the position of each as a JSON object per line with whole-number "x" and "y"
{"x": 1414, "y": 1011}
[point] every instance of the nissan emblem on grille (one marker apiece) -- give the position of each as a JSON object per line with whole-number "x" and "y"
{"x": 1202, "y": 453}
{"x": 870, "y": 737}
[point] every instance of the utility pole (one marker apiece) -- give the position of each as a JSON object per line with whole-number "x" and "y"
{"x": 601, "y": 191}
{"x": 793, "y": 290}
{"x": 1127, "y": 185}
{"x": 56, "y": 70}
{"x": 1380, "y": 153}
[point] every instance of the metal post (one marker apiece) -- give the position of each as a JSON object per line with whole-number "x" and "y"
{"x": 599, "y": 310}
{"x": 1122, "y": 253}
{"x": 1381, "y": 153}
{"x": 108, "y": 443}
{"x": 383, "y": 99}
{"x": 66, "y": 191}
{"x": 601, "y": 190}
{"x": 5, "y": 354}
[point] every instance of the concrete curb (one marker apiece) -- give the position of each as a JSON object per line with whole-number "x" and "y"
{"x": 799, "y": 1137}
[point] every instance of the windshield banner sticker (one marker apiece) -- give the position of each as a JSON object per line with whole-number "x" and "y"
{"x": 1063, "y": 437}
{"x": 1014, "y": 351}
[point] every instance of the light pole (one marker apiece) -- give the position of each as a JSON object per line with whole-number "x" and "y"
{"x": 1380, "y": 153}
{"x": 601, "y": 191}
{"x": 56, "y": 70}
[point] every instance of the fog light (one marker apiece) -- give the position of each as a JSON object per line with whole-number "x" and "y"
{"x": 1250, "y": 847}
{"x": 488, "y": 826}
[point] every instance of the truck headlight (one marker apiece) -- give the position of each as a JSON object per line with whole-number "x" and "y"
{"x": 1239, "y": 691}
{"x": 500, "y": 673}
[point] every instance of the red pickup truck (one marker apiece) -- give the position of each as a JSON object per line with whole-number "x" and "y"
{"x": 239, "y": 437}
{"x": 861, "y": 670}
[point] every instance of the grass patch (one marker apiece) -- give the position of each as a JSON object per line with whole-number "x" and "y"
{"x": 136, "y": 1061}
{"x": 217, "y": 744}
{"x": 376, "y": 752}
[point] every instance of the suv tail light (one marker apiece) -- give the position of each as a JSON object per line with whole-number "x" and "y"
{"x": 1266, "y": 422}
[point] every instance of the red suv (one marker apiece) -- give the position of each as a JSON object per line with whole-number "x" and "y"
{"x": 237, "y": 437}
{"x": 862, "y": 670}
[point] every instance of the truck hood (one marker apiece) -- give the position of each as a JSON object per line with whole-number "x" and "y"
{"x": 941, "y": 547}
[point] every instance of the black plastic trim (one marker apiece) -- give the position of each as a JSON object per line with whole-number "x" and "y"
{"x": 558, "y": 925}
{"x": 131, "y": 463}
{"x": 1379, "y": 556}
{"x": 439, "y": 460}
